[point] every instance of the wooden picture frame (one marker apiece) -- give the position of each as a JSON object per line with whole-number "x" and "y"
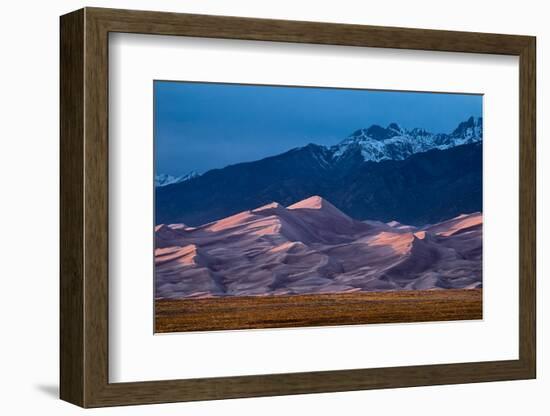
{"x": 84, "y": 207}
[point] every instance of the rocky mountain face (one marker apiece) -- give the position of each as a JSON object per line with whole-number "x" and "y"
{"x": 313, "y": 247}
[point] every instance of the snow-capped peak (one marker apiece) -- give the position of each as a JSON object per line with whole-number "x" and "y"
{"x": 470, "y": 128}
{"x": 395, "y": 128}
{"x": 393, "y": 142}
{"x": 164, "y": 179}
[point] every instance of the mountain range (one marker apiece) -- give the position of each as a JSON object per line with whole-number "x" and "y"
{"x": 313, "y": 247}
{"x": 396, "y": 143}
{"x": 378, "y": 173}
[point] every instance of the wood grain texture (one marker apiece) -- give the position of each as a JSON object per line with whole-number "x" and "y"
{"x": 72, "y": 368}
{"x": 96, "y": 209}
{"x": 527, "y": 208}
{"x": 84, "y": 207}
{"x": 225, "y": 27}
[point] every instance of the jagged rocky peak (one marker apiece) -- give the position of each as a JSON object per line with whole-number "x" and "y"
{"x": 470, "y": 128}
{"x": 395, "y": 128}
{"x": 377, "y": 132}
{"x": 419, "y": 131}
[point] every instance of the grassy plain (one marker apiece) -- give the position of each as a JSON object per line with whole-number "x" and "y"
{"x": 247, "y": 312}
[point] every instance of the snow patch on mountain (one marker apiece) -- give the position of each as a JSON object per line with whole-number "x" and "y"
{"x": 164, "y": 179}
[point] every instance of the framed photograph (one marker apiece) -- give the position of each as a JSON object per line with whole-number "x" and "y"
{"x": 255, "y": 207}
{"x": 256, "y": 226}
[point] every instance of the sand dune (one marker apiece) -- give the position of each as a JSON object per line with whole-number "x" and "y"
{"x": 312, "y": 247}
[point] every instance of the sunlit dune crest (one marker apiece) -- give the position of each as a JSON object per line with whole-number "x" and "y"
{"x": 420, "y": 234}
{"x": 230, "y": 222}
{"x": 313, "y": 202}
{"x": 271, "y": 206}
{"x": 459, "y": 223}
{"x": 400, "y": 243}
{"x": 318, "y": 203}
{"x": 178, "y": 226}
{"x": 183, "y": 255}
{"x": 287, "y": 246}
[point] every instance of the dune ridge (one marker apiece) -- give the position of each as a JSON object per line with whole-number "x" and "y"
{"x": 312, "y": 247}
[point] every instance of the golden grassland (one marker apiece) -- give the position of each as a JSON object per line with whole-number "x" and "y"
{"x": 247, "y": 312}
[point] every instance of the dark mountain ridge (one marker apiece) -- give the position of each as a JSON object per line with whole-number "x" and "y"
{"x": 424, "y": 188}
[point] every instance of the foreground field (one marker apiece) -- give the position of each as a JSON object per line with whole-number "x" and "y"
{"x": 248, "y": 312}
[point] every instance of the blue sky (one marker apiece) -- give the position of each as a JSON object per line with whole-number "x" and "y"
{"x": 201, "y": 126}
